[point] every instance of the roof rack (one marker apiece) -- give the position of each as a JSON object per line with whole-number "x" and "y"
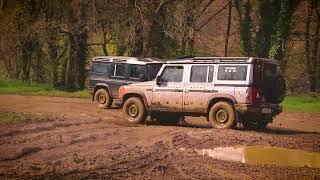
{"x": 126, "y": 59}
{"x": 221, "y": 59}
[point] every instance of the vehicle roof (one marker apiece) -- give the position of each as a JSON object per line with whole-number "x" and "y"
{"x": 215, "y": 60}
{"x": 127, "y": 60}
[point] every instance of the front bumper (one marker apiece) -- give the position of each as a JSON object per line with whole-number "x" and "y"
{"x": 264, "y": 109}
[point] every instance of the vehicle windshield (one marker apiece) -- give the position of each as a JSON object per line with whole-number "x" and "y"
{"x": 153, "y": 70}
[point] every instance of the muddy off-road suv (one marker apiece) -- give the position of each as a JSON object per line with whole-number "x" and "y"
{"x": 226, "y": 90}
{"x": 110, "y": 72}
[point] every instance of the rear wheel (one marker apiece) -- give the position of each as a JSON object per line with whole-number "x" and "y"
{"x": 103, "y": 98}
{"x": 135, "y": 110}
{"x": 222, "y": 115}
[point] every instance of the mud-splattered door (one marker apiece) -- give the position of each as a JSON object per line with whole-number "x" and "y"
{"x": 199, "y": 87}
{"x": 167, "y": 96}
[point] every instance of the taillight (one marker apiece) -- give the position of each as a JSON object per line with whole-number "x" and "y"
{"x": 256, "y": 97}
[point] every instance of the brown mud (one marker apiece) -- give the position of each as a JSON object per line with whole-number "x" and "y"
{"x": 76, "y": 139}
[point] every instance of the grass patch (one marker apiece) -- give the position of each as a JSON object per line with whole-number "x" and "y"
{"x": 12, "y": 117}
{"x": 305, "y": 103}
{"x": 301, "y": 104}
{"x": 19, "y": 87}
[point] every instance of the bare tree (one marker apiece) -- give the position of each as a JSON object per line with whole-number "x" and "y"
{"x": 312, "y": 43}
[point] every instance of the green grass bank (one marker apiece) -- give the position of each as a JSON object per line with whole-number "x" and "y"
{"x": 298, "y": 103}
{"x": 23, "y": 88}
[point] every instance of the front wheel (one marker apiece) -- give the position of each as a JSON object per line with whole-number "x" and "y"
{"x": 222, "y": 115}
{"x": 103, "y": 98}
{"x": 135, "y": 110}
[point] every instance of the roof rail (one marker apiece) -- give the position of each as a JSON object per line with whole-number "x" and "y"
{"x": 221, "y": 59}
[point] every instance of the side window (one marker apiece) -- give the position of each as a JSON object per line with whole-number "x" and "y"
{"x": 99, "y": 68}
{"x": 201, "y": 74}
{"x": 118, "y": 70}
{"x": 234, "y": 73}
{"x": 136, "y": 71}
{"x": 172, "y": 74}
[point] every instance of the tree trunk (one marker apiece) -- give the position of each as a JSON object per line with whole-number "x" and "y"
{"x": 226, "y": 45}
{"x": 70, "y": 70}
{"x": 147, "y": 44}
{"x": 26, "y": 53}
{"x": 245, "y": 26}
{"x": 317, "y": 55}
{"x": 39, "y": 73}
{"x": 3, "y": 4}
{"x": 53, "y": 55}
{"x": 314, "y": 54}
{"x": 105, "y": 42}
{"x": 283, "y": 30}
{"x": 311, "y": 47}
{"x": 82, "y": 54}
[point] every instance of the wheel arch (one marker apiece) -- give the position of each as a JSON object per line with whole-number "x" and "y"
{"x": 139, "y": 95}
{"x": 100, "y": 86}
{"x": 213, "y": 100}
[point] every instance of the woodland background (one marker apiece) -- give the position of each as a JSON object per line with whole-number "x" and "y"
{"x": 52, "y": 41}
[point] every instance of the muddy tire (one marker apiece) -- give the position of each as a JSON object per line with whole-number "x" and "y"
{"x": 103, "y": 98}
{"x": 222, "y": 115}
{"x": 135, "y": 110}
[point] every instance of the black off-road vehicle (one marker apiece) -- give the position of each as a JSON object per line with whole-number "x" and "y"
{"x": 110, "y": 72}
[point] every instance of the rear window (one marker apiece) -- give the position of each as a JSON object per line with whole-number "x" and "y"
{"x": 100, "y": 68}
{"x": 233, "y": 73}
{"x": 270, "y": 71}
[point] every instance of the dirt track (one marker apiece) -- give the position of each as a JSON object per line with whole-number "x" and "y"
{"x": 76, "y": 139}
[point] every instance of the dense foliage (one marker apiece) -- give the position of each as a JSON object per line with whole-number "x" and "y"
{"x": 52, "y": 41}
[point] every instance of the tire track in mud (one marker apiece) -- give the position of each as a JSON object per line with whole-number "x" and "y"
{"x": 46, "y": 128}
{"x": 73, "y": 146}
{"x": 130, "y": 161}
{"x": 24, "y": 152}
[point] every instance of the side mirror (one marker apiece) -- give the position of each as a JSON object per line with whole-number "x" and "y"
{"x": 158, "y": 80}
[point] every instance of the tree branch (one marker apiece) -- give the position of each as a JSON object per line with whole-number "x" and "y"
{"x": 205, "y": 22}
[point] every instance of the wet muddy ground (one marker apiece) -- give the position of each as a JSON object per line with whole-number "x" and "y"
{"x": 72, "y": 138}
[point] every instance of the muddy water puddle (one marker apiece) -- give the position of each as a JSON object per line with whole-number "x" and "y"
{"x": 264, "y": 155}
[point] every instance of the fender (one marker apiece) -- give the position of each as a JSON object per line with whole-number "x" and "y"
{"x": 99, "y": 85}
{"x": 221, "y": 96}
{"x": 140, "y": 94}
